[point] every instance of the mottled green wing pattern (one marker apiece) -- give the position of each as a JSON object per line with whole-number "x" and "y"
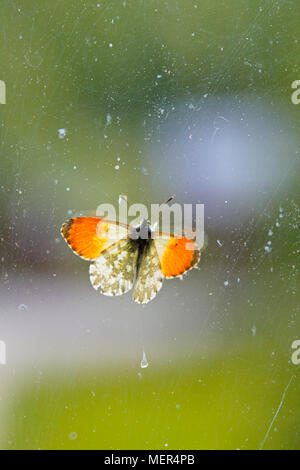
{"x": 149, "y": 276}
{"x": 113, "y": 272}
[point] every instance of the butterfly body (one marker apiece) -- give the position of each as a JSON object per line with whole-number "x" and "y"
{"x": 123, "y": 257}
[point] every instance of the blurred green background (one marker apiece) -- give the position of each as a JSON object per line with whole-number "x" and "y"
{"x": 149, "y": 99}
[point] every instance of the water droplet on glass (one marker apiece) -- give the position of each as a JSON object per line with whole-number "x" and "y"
{"x": 62, "y": 133}
{"x": 144, "y": 362}
{"x": 73, "y": 436}
{"x": 22, "y": 308}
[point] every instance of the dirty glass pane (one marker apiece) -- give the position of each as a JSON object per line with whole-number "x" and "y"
{"x": 148, "y": 99}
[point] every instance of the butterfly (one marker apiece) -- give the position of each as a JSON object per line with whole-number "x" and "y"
{"x": 123, "y": 256}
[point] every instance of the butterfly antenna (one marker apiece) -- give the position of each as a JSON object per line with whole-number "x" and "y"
{"x": 170, "y": 199}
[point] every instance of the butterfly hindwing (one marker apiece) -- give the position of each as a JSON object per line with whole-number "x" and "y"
{"x": 149, "y": 276}
{"x": 114, "y": 271}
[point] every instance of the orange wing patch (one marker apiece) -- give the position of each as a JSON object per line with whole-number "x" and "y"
{"x": 87, "y": 236}
{"x": 177, "y": 255}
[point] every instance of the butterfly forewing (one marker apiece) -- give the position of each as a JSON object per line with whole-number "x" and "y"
{"x": 176, "y": 254}
{"x": 88, "y": 237}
